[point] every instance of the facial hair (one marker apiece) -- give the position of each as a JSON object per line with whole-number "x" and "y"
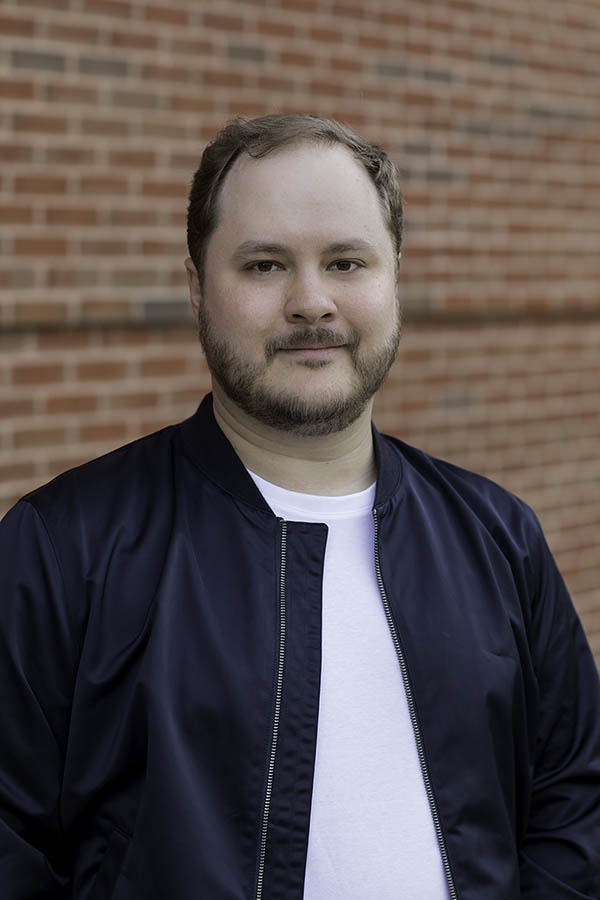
{"x": 243, "y": 382}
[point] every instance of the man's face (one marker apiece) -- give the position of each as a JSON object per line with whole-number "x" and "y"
{"x": 298, "y": 312}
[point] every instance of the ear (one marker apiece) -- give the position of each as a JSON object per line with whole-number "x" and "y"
{"x": 194, "y": 286}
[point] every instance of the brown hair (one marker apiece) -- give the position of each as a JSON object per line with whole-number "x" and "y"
{"x": 261, "y": 136}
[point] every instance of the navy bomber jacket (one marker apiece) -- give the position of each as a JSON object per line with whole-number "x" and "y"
{"x": 159, "y": 680}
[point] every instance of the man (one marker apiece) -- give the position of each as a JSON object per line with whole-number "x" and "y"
{"x": 269, "y": 652}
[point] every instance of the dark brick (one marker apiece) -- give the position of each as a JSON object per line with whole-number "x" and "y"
{"x": 175, "y": 310}
{"x": 135, "y": 99}
{"x": 395, "y": 70}
{"x": 545, "y": 112}
{"x": 31, "y": 59}
{"x": 246, "y": 52}
{"x": 501, "y": 59}
{"x": 92, "y": 65}
{"x": 418, "y": 148}
{"x": 439, "y": 175}
{"x": 444, "y": 75}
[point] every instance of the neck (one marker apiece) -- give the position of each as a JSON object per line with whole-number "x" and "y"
{"x": 330, "y": 465}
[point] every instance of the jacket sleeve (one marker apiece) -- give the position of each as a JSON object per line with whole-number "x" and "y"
{"x": 561, "y": 848}
{"x": 37, "y": 670}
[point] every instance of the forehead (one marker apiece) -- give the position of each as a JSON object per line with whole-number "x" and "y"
{"x": 296, "y": 191}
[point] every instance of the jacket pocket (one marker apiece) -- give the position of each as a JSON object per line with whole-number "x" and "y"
{"x": 112, "y": 862}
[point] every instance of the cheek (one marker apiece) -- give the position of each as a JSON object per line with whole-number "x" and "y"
{"x": 373, "y": 310}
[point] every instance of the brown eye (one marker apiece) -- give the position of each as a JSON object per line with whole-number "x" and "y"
{"x": 344, "y": 265}
{"x": 264, "y": 266}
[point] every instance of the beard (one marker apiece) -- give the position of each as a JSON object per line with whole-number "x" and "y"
{"x": 244, "y": 382}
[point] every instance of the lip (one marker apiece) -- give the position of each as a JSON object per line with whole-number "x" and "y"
{"x": 311, "y": 351}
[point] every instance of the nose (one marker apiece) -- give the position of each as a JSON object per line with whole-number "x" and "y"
{"x": 308, "y": 300}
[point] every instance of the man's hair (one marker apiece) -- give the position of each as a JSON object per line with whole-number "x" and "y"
{"x": 264, "y": 135}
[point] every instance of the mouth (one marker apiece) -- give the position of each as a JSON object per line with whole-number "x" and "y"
{"x": 312, "y": 351}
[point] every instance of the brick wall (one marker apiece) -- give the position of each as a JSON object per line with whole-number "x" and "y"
{"x": 490, "y": 110}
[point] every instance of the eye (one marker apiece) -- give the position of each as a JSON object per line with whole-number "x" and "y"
{"x": 345, "y": 265}
{"x": 263, "y": 266}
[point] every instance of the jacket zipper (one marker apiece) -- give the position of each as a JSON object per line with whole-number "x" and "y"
{"x": 276, "y": 714}
{"x": 413, "y": 716}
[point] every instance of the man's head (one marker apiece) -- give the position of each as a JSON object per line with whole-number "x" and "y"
{"x": 264, "y": 135}
{"x": 293, "y": 271}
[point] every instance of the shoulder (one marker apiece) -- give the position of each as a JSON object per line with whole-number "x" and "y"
{"x": 470, "y": 500}
{"x": 120, "y": 472}
{"x": 114, "y": 494}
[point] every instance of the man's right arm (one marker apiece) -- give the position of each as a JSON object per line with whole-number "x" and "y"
{"x": 38, "y": 662}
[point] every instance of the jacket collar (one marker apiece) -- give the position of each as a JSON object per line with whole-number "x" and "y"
{"x": 207, "y": 446}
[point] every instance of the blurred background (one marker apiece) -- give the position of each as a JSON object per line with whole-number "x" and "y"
{"x": 489, "y": 108}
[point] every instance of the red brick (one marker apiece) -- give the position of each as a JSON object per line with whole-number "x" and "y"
{"x": 193, "y": 47}
{"x": 294, "y": 58}
{"x": 163, "y": 365}
{"x": 133, "y": 41}
{"x": 153, "y": 72}
{"x": 138, "y": 400}
{"x": 130, "y": 217}
{"x": 133, "y": 158}
{"x": 71, "y": 277}
{"x": 103, "y": 248}
{"x": 108, "y": 7}
{"x": 39, "y": 246}
{"x": 105, "y": 431}
{"x": 71, "y": 403}
{"x": 23, "y": 406}
{"x": 17, "y": 471}
{"x": 100, "y": 370}
{"x": 224, "y": 79}
{"x": 345, "y": 65}
{"x": 16, "y": 153}
{"x": 194, "y": 104}
{"x": 349, "y": 8}
{"x": 71, "y": 93}
{"x": 394, "y": 17}
{"x": 10, "y": 89}
{"x": 40, "y": 312}
{"x": 272, "y": 27}
{"x": 15, "y": 278}
{"x": 72, "y": 215}
{"x": 15, "y": 215}
{"x": 79, "y": 34}
{"x": 109, "y": 309}
{"x": 170, "y": 189}
{"x": 373, "y": 41}
{"x": 308, "y": 6}
{"x": 418, "y": 98}
{"x": 223, "y": 23}
{"x": 16, "y": 27}
{"x": 116, "y": 338}
{"x": 167, "y": 15}
{"x": 37, "y": 373}
{"x": 275, "y": 83}
{"x": 70, "y": 156}
{"x": 103, "y": 184}
{"x": 105, "y": 127}
{"x": 40, "y": 124}
{"x": 327, "y": 88}
{"x": 63, "y": 340}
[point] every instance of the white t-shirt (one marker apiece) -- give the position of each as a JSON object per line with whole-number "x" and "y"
{"x": 371, "y": 832}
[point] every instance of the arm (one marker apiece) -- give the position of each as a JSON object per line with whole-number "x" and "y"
{"x": 561, "y": 849}
{"x": 38, "y": 658}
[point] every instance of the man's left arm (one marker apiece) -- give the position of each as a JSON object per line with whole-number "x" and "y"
{"x": 560, "y": 856}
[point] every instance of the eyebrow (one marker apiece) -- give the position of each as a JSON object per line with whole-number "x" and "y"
{"x": 352, "y": 245}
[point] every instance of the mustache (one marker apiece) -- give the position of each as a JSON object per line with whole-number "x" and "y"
{"x": 311, "y": 337}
